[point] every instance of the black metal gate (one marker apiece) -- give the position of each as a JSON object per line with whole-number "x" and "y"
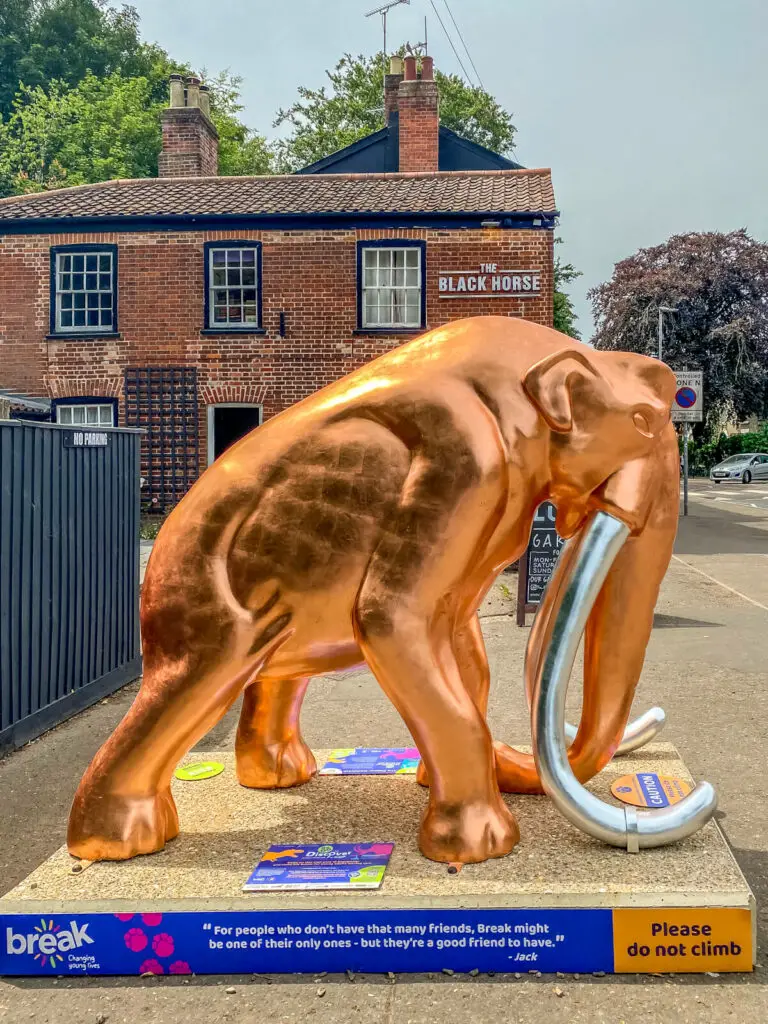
{"x": 69, "y": 572}
{"x": 163, "y": 401}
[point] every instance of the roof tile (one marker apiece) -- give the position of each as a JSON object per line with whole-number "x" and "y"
{"x": 506, "y": 191}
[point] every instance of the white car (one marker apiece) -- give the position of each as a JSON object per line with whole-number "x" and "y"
{"x": 743, "y": 468}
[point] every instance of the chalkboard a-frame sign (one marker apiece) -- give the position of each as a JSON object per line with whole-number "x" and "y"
{"x": 539, "y": 561}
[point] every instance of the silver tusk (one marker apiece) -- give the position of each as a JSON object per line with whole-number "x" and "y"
{"x": 574, "y": 591}
{"x": 636, "y": 735}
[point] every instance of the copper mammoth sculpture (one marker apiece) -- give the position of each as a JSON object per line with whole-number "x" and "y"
{"x": 366, "y": 524}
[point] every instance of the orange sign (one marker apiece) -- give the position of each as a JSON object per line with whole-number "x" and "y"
{"x": 690, "y": 940}
{"x": 647, "y": 789}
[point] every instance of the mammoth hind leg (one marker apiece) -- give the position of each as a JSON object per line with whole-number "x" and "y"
{"x": 270, "y": 750}
{"x": 123, "y": 805}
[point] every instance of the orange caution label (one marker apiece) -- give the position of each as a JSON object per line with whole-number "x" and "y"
{"x": 647, "y": 789}
{"x": 682, "y": 940}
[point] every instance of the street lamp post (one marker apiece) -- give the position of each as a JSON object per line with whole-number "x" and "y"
{"x": 671, "y": 310}
{"x": 662, "y": 311}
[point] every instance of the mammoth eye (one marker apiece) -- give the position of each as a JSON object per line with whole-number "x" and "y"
{"x": 642, "y": 424}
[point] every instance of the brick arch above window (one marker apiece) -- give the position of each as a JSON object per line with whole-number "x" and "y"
{"x": 74, "y": 387}
{"x": 216, "y": 392}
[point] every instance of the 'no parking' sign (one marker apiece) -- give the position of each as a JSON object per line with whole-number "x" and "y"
{"x": 688, "y": 406}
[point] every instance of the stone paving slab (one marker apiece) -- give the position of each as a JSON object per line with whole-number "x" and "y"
{"x": 226, "y": 828}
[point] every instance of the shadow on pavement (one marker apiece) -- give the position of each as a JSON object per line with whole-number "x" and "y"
{"x": 677, "y": 622}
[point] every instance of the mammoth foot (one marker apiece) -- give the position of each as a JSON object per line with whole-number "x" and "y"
{"x": 111, "y": 826}
{"x": 468, "y": 834}
{"x": 278, "y": 766}
{"x": 515, "y": 772}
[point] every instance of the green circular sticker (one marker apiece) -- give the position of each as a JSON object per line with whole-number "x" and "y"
{"x": 199, "y": 770}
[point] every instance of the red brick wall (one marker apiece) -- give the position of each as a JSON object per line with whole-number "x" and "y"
{"x": 311, "y": 276}
{"x": 419, "y": 126}
{"x": 391, "y": 85}
{"x": 24, "y": 302}
{"x": 190, "y": 145}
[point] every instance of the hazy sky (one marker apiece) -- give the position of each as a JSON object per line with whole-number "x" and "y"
{"x": 652, "y": 114}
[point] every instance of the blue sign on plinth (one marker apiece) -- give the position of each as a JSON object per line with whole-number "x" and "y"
{"x": 289, "y": 942}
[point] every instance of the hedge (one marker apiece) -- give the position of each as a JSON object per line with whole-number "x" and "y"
{"x": 702, "y": 457}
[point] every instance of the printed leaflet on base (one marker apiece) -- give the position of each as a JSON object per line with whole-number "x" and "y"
{"x": 372, "y": 761}
{"x": 329, "y": 866}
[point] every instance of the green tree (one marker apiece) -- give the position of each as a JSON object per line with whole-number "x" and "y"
{"x": 565, "y": 315}
{"x": 15, "y": 22}
{"x": 106, "y": 128}
{"x": 102, "y": 128}
{"x": 326, "y": 119}
{"x": 82, "y": 97}
{"x": 46, "y": 40}
{"x": 719, "y": 284}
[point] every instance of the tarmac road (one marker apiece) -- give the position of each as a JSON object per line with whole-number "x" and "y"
{"x": 706, "y": 666}
{"x": 754, "y": 495}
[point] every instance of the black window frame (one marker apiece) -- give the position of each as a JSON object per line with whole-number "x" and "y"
{"x": 78, "y": 333}
{"x": 208, "y": 326}
{"x": 391, "y": 243}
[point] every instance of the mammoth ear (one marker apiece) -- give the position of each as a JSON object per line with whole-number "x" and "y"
{"x": 548, "y": 385}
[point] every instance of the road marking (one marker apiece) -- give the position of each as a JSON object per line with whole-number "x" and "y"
{"x": 706, "y": 575}
{"x": 728, "y": 490}
{"x": 732, "y": 499}
{"x": 741, "y": 504}
{"x": 729, "y": 495}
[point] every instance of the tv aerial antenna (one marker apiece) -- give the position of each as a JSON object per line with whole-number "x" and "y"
{"x": 384, "y": 11}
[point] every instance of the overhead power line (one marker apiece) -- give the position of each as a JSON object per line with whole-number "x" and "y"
{"x": 448, "y": 37}
{"x": 466, "y": 48}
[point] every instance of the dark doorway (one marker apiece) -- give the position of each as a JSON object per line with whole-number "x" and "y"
{"x": 227, "y": 424}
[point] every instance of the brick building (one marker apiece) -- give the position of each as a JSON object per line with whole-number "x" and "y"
{"x": 196, "y": 306}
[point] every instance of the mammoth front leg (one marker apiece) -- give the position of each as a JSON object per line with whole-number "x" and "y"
{"x": 466, "y": 820}
{"x": 469, "y": 650}
{"x": 404, "y": 623}
{"x": 270, "y": 750}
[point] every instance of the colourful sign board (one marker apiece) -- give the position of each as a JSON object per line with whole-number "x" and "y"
{"x": 372, "y": 761}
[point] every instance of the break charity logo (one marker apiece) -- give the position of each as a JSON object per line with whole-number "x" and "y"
{"x": 48, "y": 941}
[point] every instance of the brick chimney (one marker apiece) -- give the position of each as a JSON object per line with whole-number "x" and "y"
{"x": 391, "y": 85}
{"x": 190, "y": 140}
{"x": 417, "y": 104}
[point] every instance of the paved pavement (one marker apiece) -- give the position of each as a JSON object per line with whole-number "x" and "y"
{"x": 145, "y": 550}
{"x": 706, "y": 665}
{"x": 738, "y": 557}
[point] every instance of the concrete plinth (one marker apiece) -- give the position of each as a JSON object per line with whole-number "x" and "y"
{"x": 560, "y": 902}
